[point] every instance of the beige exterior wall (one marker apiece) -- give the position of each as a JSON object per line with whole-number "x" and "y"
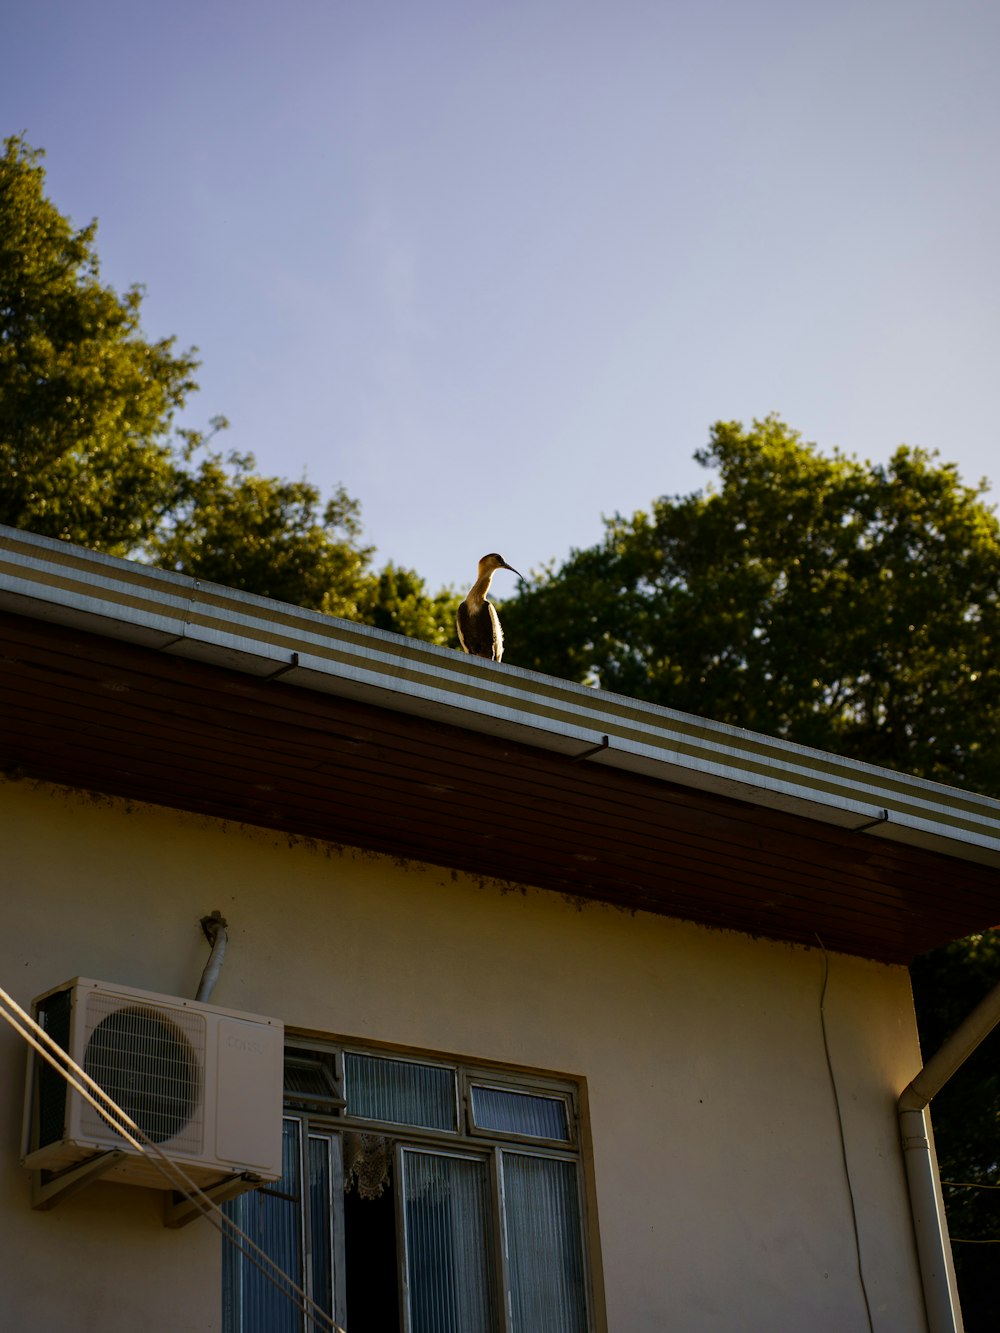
{"x": 717, "y": 1170}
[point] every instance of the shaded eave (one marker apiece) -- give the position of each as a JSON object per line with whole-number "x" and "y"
{"x": 143, "y": 683}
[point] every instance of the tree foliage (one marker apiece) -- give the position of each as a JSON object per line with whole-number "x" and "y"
{"x": 86, "y": 402}
{"x": 278, "y": 539}
{"x": 846, "y": 606}
{"x": 266, "y": 535}
{"x": 90, "y": 452}
{"x": 399, "y": 602}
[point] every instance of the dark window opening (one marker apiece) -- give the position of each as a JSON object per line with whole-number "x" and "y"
{"x": 371, "y": 1272}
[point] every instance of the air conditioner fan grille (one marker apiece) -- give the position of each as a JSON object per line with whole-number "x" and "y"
{"x": 149, "y": 1061}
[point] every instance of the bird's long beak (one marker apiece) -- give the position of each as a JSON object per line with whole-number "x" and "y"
{"x": 514, "y": 571}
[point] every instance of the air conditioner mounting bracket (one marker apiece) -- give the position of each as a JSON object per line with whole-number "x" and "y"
{"x": 180, "y": 1210}
{"x": 50, "y": 1187}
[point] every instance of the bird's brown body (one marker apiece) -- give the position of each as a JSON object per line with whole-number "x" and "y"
{"x": 479, "y": 629}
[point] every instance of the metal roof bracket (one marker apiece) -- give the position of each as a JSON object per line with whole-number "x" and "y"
{"x": 883, "y": 818}
{"x": 594, "y": 749}
{"x": 282, "y": 670}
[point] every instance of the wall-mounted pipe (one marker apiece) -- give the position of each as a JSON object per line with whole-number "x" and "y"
{"x": 937, "y": 1269}
{"x": 214, "y": 927}
{"x": 930, "y": 1226}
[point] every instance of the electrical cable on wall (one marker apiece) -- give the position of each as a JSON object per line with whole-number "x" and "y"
{"x": 122, "y": 1123}
{"x": 840, "y": 1127}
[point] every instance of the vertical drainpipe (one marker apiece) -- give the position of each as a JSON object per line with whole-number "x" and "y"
{"x": 937, "y": 1269}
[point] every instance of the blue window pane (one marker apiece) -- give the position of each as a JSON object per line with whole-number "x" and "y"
{"x": 271, "y": 1217}
{"x": 450, "y": 1278}
{"x": 321, "y": 1223}
{"x": 544, "y": 1253}
{"x": 509, "y": 1112}
{"x": 274, "y": 1218}
{"x": 400, "y": 1091}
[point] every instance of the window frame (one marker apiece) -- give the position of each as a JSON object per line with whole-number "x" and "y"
{"x": 233, "y": 1308}
{"x": 528, "y": 1086}
{"x": 331, "y": 1120}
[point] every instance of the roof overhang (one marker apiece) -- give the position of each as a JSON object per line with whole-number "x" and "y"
{"x": 208, "y": 638}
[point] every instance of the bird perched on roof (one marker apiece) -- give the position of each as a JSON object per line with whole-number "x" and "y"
{"x": 479, "y": 630}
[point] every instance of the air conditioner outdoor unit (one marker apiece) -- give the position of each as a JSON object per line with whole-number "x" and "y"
{"x": 203, "y": 1083}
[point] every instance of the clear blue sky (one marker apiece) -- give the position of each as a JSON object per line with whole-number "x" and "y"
{"x": 497, "y": 266}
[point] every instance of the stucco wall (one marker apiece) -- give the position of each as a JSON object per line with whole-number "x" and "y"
{"x": 720, "y": 1188}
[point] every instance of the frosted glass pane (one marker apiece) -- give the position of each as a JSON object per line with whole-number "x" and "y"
{"x": 519, "y": 1113}
{"x": 544, "y": 1254}
{"x": 321, "y": 1223}
{"x": 252, "y": 1304}
{"x": 272, "y": 1217}
{"x": 400, "y": 1091}
{"x": 449, "y": 1245}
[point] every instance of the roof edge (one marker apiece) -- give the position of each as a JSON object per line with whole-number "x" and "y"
{"x": 61, "y": 583}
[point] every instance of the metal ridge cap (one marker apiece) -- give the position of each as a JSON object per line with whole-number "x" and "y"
{"x": 181, "y": 615}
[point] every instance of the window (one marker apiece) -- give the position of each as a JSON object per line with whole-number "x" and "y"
{"x": 423, "y": 1196}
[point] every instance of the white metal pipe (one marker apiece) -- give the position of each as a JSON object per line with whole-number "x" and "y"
{"x": 954, "y": 1053}
{"x": 937, "y": 1268}
{"x": 930, "y": 1227}
{"x": 215, "y": 930}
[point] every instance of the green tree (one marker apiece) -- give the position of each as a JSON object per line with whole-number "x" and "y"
{"x": 265, "y": 535}
{"x": 399, "y": 602}
{"x": 278, "y": 539}
{"x": 86, "y": 402}
{"x": 851, "y": 607}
